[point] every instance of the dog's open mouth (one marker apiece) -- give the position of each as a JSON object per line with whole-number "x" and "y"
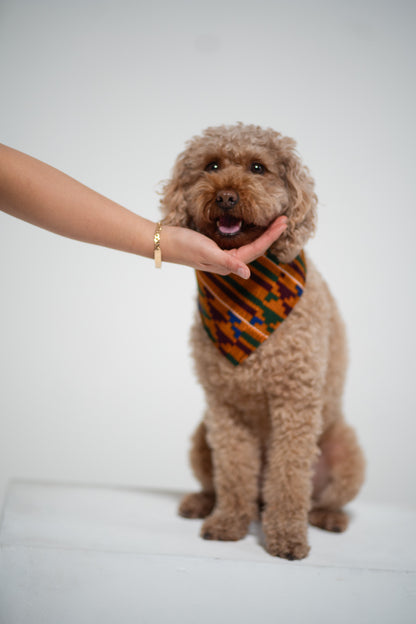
{"x": 229, "y": 231}
{"x": 228, "y": 225}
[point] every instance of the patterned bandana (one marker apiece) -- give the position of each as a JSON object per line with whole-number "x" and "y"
{"x": 238, "y": 315}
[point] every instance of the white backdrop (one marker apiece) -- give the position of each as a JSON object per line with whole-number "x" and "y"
{"x": 96, "y": 382}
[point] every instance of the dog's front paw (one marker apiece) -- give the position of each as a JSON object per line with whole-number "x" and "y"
{"x": 225, "y": 527}
{"x": 287, "y": 540}
{"x": 287, "y": 547}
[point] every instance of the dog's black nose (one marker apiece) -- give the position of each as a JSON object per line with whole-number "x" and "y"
{"x": 227, "y": 198}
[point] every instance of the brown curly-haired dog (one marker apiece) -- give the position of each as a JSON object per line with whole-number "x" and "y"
{"x": 273, "y": 439}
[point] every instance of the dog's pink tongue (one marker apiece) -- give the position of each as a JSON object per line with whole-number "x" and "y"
{"x": 229, "y": 225}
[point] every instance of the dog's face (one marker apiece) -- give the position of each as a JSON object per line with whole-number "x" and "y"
{"x": 237, "y": 192}
{"x": 233, "y": 181}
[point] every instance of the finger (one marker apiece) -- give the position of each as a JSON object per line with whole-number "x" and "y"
{"x": 253, "y": 250}
{"x": 239, "y": 269}
{"x": 227, "y": 263}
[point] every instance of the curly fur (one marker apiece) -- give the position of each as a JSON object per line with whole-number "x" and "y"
{"x": 273, "y": 440}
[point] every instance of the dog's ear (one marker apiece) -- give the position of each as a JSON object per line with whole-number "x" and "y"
{"x": 301, "y": 211}
{"x": 173, "y": 202}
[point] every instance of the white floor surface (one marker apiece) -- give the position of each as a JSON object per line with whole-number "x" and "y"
{"x": 73, "y": 554}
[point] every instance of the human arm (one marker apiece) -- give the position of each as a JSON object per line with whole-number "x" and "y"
{"x": 44, "y": 196}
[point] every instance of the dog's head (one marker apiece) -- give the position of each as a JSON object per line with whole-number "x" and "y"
{"x": 231, "y": 182}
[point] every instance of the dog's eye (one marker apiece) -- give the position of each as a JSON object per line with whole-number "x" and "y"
{"x": 257, "y": 167}
{"x": 212, "y": 166}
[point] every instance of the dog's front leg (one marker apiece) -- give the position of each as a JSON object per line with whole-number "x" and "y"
{"x": 287, "y": 486}
{"x": 236, "y": 467}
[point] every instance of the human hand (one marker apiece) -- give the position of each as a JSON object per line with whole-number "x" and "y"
{"x": 183, "y": 246}
{"x": 252, "y": 251}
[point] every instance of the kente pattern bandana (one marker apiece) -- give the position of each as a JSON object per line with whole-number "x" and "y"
{"x": 239, "y": 315}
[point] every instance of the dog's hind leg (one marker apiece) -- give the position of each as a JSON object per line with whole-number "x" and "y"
{"x": 197, "y": 505}
{"x": 339, "y": 474}
{"x": 200, "y": 504}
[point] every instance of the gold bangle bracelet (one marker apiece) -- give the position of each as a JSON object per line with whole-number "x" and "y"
{"x": 157, "y": 252}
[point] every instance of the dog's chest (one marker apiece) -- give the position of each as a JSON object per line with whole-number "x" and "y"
{"x": 291, "y": 352}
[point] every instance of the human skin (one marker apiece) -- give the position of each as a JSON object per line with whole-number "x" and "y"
{"x": 46, "y": 197}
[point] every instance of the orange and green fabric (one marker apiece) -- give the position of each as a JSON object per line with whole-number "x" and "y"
{"x": 239, "y": 315}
